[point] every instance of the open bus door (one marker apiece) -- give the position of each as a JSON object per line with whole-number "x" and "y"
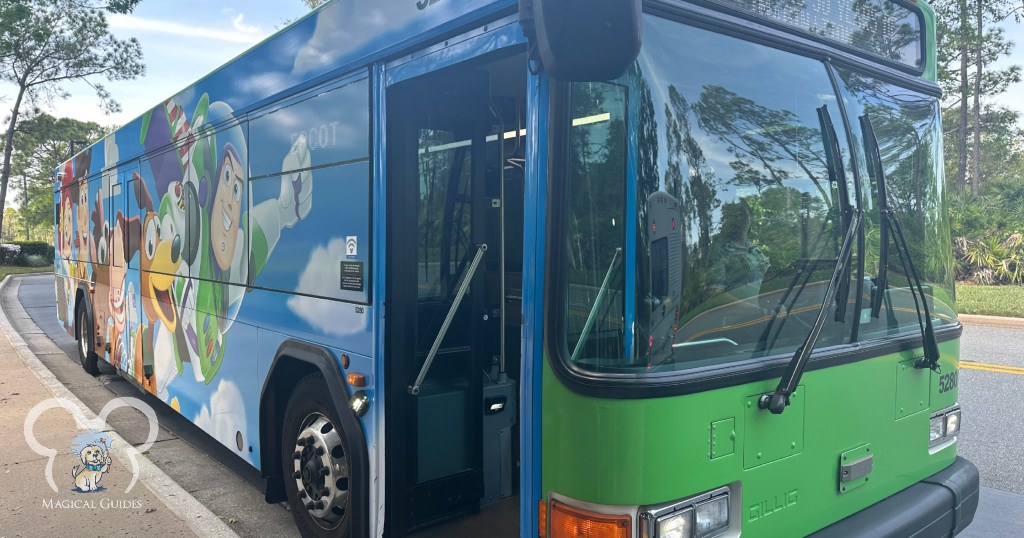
{"x": 451, "y": 414}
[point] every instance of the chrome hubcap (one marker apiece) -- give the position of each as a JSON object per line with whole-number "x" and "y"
{"x": 321, "y": 470}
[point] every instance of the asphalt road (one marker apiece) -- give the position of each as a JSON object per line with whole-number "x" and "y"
{"x": 991, "y": 389}
{"x": 992, "y": 427}
{"x": 993, "y": 407}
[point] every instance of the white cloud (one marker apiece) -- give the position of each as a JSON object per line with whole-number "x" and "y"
{"x": 238, "y": 22}
{"x": 347, "y": 25}
{"x": 258, "y": 84}
{"x": 321, "y": 274}
{"x": 224, "y": 416}
{"x": 131, "y": 22}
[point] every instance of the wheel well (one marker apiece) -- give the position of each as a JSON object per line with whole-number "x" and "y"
{"x": 295, "y": 359}
{"x": 286, "y": 373}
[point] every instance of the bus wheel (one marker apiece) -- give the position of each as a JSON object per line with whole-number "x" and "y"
{"x": 314, "y": 462}
{"x": 85, "y": 354}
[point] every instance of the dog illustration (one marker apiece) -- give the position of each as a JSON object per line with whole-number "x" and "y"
{"x": 96, "y": 462}
{"x": 160, "y": 247}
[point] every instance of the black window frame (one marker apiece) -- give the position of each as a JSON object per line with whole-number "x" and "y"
{"x": 680, "y": 382}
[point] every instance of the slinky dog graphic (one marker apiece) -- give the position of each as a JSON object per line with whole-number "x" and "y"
{"x": 95, "y": 462}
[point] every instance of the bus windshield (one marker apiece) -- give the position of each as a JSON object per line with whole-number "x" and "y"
{"x": 704, "y": 221}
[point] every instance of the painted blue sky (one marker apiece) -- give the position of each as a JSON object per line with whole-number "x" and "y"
{"x": 182, "y": 41}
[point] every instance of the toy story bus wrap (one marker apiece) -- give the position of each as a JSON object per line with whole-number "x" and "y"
{"x": 185, "y": 244}
{"x": 172, "y": 243}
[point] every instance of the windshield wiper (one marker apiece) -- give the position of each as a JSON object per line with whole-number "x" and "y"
{"x": 876, "y": 175}
{"x": 890, "y": 225}
{"x": 777, "y": 401}
{"x": 836, "y": 175}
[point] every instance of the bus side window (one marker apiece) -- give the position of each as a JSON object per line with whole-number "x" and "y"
{"x": 310, "y": 169}
{"x": 81, "y": 219}
{"x": 225, "y": 255}
{"x": 115, "y": 206}
{"x": 136, "y": 213}
{"x": 65, "y": 226}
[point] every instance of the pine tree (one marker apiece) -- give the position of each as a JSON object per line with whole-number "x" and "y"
{"x": 46, "y": 43}
{"x": 970, "y": 42}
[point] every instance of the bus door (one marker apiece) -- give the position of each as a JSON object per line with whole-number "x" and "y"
{"x": 437, "y": 129}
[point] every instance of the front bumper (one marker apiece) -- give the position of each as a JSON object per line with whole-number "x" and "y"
{"x": 941, "y": 505}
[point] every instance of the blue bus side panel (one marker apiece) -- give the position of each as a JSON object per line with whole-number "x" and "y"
{"x": 260, "y": 223}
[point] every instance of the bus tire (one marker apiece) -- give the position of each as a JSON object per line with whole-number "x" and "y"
{"x": 86, "y": 355}
{"x": 314, "y": 462}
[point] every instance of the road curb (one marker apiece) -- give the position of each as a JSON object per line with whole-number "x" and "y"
{"x": 173, "y": 496}
{"x": 992, "y": 321}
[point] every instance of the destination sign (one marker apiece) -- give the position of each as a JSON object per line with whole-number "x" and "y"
{"x": 882, "y": 28}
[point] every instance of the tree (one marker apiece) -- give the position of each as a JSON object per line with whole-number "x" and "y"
{"x": 773, "y": 138}
{"x": 40, "y": 144}
{"x": 969, "y": 40}
{"x": 313, "y": 4}
{"x": 1001, "y": 147}
{"x": 698, "y": 195}
{"x": 47, "y": 43}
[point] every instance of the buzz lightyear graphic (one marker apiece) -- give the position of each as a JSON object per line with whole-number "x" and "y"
{"x": 205, "y": 203}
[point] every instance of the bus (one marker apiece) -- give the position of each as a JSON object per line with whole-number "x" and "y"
{"x": 661, "y": 268}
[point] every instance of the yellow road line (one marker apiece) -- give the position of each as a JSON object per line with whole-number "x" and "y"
{"x": 999, "y": 368}
{"x": 751, "y": 322}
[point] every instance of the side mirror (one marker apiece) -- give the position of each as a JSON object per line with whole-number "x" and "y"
{"x": 583, "y": 40}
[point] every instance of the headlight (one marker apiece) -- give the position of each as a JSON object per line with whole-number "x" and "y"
{"x": 712, "y": 517}
{"x": 953, "y": 423}
{"x": 943, "y": 427}
{"x": 678, "y": 525}
{"x": 936, "y": 429}
{"x": 699, "y": 516}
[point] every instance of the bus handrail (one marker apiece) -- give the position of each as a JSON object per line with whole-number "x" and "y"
{"x": 414, "y": 389}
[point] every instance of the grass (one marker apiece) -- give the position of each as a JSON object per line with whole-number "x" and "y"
{"x": 990, "y": 300}
{"x": 17, "y": 270}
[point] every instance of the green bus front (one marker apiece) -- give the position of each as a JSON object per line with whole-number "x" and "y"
{"x": 697, "y": 208}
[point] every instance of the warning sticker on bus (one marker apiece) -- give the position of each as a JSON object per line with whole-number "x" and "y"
{"x": 352, "y": 276}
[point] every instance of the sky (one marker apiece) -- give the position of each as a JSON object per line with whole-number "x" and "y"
{"x": 1014, "y": 98}
{"x": 182, "y": 41}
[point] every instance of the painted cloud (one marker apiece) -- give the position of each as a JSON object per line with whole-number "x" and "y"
{"x": 225, "y": 416}
{"x": 321, "y": 274}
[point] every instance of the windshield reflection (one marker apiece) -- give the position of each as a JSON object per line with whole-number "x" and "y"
{"x": 735, "y": 225}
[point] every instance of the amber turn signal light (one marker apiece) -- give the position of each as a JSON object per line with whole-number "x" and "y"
{"x": 571, "y": 522}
